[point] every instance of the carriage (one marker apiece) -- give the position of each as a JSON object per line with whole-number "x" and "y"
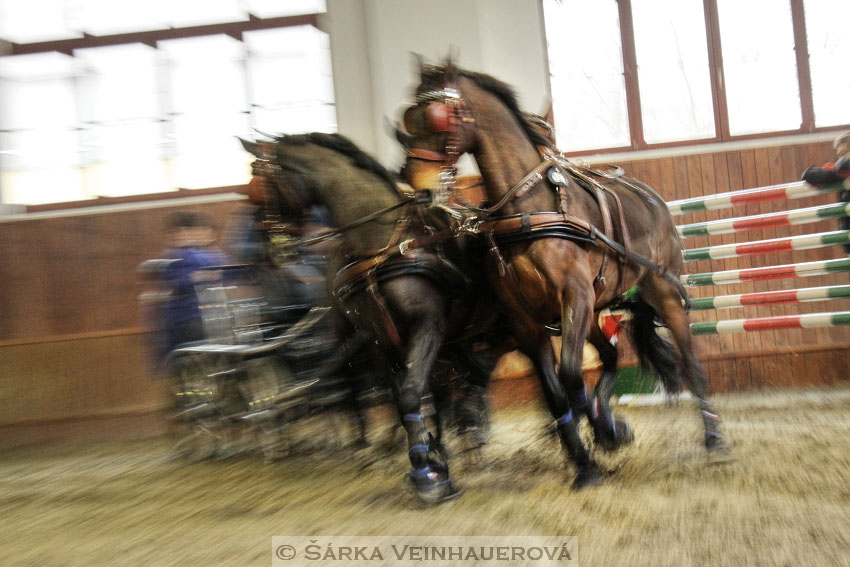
{"x": 267, "y": 360}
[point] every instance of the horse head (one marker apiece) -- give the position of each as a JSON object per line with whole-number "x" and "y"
{"x": 272, "y": 185}
{"x": 437, "y": 128}
{"x": 457, "y": 111}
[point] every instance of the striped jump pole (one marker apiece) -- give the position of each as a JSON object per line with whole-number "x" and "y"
{"x": 769, "y": 220}
{"x": 803, "y": 269}
{"x": 772, "y": 297}
{"x": 807, "y": 321}
{"x": 795, "y": 190}
{"x": 803, "y": 242}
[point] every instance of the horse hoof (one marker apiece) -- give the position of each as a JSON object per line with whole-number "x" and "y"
{"x": 718, "y": 451}
{"x": 625, "y": 435}
{"x": 586, "y": 477}
{"x": 716, "y": 442}
{"x": 434, "y": 489}
{"x": 613, "y": 439}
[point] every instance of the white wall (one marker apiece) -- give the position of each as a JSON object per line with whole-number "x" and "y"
{"x": 5, "y": 49}
{"x": 372, "y": 42}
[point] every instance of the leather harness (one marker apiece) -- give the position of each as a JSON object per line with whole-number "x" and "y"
{"x": 408, "y": 257}
{"x": 544, "y": 224}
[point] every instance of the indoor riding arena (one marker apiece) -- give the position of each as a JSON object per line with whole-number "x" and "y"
{"x": 383, "y": 282}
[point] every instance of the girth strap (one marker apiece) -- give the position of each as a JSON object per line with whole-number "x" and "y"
{"x": 526, "y": 222}
{"x": 539, "y": 224}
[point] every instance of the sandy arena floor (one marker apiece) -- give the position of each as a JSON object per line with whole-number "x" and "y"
{"x": 784, "y": 501}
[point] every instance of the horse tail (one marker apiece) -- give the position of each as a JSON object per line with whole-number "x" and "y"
{"x": 655, "y": 353}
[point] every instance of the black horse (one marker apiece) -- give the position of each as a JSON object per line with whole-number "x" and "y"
{"x": 395, "y": 275}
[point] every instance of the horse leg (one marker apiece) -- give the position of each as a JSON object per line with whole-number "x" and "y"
{"x": 441, "y": 400}
{"x": 610, "y": 433}
{"x": 535, "y": 344}
{"x": 357, "y": 407}
{"x": 663, "y": 298}
{"x": 429, "y": 474}
{"x": 473, "y": 411}
{"x": 576, "y": 310}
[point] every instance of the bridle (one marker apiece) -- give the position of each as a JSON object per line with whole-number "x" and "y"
{"x": 445, "y": 113}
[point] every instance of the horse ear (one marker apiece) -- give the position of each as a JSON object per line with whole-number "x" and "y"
{"x": 548, "y": 114}
{"x": 450, "y": 68}
{"x": 403, "y": 137}
{"x": 251, "y": 147}
{"x": 418, "y": 63}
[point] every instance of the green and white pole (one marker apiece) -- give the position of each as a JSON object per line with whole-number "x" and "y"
{"x": 803, "y": 242}
{"x": 795, "y": 190}
{"x": 803, "y": 269}
{"x": 772, "y": 297}
{"x": 807, "y": 321}
{"x": 769, "y": 220}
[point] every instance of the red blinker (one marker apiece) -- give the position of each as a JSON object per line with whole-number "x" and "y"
{"x": 439, "y": 117}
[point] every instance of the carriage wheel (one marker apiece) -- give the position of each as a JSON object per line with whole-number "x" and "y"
{"x": 198, "y": 398}
{"x": 269, "y": 389}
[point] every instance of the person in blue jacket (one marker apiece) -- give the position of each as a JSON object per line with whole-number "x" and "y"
{"x": 191, "y": 251}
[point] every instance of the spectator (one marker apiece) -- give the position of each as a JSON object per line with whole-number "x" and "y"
{"x": 830, "y": 173}
{"x": 191, "y": 236}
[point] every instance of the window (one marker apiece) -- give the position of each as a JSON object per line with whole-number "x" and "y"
{"x": 290, "y": 79}
{"x": 633, "y": 74}
{"x": 673, "y": 71}
{"x": 208, "y": 108}
{"x": 118, "y": 120}
{"x": 38, "y": 129}
{"x": 152, "y": 113}
{"x": 829, "y": 46}
{"x": 588, "y": 91}
{"x": 759, "y": 63}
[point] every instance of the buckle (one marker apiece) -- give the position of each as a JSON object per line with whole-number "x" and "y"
{"x": 423, "y": 197}
{"x": 404, "y": 247}
{"x": 471, "y": 225}
{"x": 556, "y": 176}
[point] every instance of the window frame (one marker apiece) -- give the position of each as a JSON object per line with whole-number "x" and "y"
{"x": 152, "y": 38}
{"x": 717, "y": 82}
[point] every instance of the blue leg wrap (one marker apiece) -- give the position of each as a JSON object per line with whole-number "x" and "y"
{"x": 566, "y": 418}
{"x": 417, "y": 449}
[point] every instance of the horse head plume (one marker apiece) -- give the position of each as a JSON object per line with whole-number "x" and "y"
{"x": 450, "y": 68}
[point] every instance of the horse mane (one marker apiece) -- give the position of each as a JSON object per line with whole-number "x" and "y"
{"x": 344, "y": 146}
{"x": 505, "y": 93}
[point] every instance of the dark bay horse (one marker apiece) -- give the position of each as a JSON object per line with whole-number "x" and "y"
{"x": 409, "y": 296}
{"x": 563, "y": 242}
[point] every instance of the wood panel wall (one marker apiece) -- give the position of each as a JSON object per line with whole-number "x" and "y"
{"x": 72, "y": 342}
{"x": 71, "y": 338}
{"x": 777, "y": 358}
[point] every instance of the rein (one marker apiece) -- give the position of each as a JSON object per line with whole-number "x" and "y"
{"x": 330, "y": 233}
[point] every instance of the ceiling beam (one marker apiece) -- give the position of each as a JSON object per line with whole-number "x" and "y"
{"x": 233, "y": 29}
